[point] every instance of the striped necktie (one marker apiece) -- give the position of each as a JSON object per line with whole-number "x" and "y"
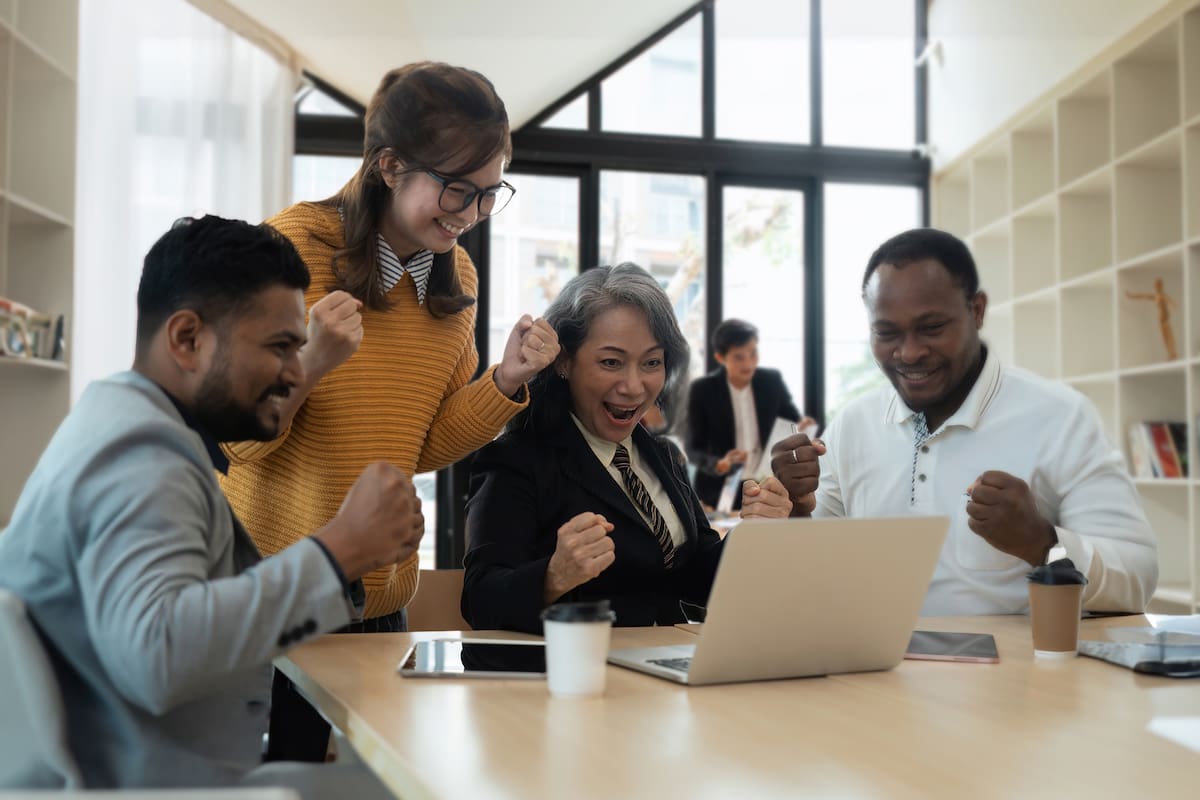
{"x": 641, "y": 498}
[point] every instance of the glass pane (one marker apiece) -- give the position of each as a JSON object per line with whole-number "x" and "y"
{"x": 763, "y": 275}
{"x": 659, "y": 91}
{"x": 858, "y": 219}
{"x": 314, "y": 101}
{"x": 868, "y": 73}
{"x": 762, "y": 70}
{"x": 318, "y": 177}
{"x": 574, "y": 115}
{"x": 426, "y": 486}
{"x": 657, "y": 221}
{"x": 534, "y": 251}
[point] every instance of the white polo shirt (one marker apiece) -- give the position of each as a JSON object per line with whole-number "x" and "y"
{"x": 1043, "y": 432}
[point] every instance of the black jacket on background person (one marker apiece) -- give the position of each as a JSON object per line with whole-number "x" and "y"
{"x": 525, "y": 485}
{"x": 711, "y": 432}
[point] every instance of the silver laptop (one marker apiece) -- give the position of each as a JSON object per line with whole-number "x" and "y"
{"x": 799, "y": 597}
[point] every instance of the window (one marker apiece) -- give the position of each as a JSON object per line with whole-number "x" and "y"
{"x": 659, "y": 91}
{"x": 654, "y": 220}
{"x": 319, "y": 177}
{"x": 762, "y": 70}
{"x": 868, "y": 52}
{"x": 533, "y": 251}
{"x": 858, "y": 218}
{"x": 763, "y": 274}
{"x": 572, "y": 116}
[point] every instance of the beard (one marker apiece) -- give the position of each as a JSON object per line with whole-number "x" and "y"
{"x": 224, "y": 418}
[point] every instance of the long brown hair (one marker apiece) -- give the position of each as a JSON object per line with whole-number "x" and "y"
{"x": 430, "y": 116}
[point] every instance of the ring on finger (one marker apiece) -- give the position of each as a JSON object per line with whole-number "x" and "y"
{"x": 794, "y": 459}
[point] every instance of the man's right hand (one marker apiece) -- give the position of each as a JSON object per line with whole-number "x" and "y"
{"x": 794, "y": 463}
{"x": 334, "y": 333}
{"x": 584, "y": 550}
{"x": 727, "y": 461}
{"x": 379, "y": 523}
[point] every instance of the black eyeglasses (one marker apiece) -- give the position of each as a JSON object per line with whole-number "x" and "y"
{"x": 457, "y": 194}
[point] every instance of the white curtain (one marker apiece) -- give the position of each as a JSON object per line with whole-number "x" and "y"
{"x": 178, "y": 116}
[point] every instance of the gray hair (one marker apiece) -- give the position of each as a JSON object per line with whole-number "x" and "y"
{"x": 581, "y": 301}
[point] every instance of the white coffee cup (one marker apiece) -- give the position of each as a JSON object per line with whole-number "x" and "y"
{"x": 577, "y": 636}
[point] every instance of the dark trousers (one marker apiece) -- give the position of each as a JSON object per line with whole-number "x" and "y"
{"x": 297, "y": 731}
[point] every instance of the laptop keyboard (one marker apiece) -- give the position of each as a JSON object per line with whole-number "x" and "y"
{"x": 681, "y": 664}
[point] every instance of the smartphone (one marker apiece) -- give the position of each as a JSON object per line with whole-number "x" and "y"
{"x": 478, "y": 658}
{"x": 979, "y": 648}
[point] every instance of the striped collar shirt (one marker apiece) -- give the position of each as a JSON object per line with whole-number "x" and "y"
{"x": 392, "y": 269}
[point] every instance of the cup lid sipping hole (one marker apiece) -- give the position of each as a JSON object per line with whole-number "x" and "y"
{"x": 595, "y": 611}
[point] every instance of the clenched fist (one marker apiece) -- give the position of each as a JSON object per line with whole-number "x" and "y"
{"x": 584, "y": 550}
{"x": 531, "y": 347}
{"x": 334, "y": 333}
{"x": 379, "y": 522}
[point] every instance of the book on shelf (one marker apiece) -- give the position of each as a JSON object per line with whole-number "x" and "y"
{"x": 1158, "y": 449}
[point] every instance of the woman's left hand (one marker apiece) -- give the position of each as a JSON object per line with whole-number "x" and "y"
{"x": 766, "y": 500}
{"x": 531, "y": 347}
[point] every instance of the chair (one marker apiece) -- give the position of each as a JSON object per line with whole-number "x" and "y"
{"x": 33, "y": 742}
{"x": 435, "y": 607}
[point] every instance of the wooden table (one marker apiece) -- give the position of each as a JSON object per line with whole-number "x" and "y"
{"x": 1020, "y": 728}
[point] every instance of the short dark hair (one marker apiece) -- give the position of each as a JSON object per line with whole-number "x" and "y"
{"x": 732, "y": 333}
{"x": 919, "y": 244}
{"x": 212, "y": 266}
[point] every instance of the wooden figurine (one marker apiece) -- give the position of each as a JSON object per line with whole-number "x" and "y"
{"x": 1165, "y": 304}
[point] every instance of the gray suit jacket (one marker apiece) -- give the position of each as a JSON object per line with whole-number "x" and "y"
{"x": 156, "y": 609}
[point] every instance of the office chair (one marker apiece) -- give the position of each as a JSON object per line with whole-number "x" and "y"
{"x": 436, "y": 605}
{"x": 33, "y": 746}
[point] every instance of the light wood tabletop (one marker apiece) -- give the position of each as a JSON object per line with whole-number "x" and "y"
{"x": 1019, "y": 728}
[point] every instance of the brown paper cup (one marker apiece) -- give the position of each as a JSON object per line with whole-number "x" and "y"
{"x": 1054, "y": 612}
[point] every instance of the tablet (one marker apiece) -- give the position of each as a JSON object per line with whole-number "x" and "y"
{"x": 475, "y": 658}
{"x": 941, "y": 646}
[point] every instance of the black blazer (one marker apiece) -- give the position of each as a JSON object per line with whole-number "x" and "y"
{"x": 525, "y": 485}
{"x": 710, "y": 428}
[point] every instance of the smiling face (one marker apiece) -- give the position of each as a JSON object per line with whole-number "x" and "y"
{"x": 925, "y": 335}
{"x": 616, "y": 374}
{"x": 740, "y": 362}
{"x": 255, "y": 364}
{"x": 415, "y": 221}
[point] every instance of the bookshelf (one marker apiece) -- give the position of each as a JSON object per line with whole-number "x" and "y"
{"x": 1092, "y": 192}
{"x": 38, "y": 59}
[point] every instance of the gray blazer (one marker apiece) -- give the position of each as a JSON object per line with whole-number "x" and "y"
{"x": 158, "y": 613}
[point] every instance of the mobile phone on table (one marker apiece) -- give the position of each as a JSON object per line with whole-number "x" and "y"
{"x": 978, "y": 648}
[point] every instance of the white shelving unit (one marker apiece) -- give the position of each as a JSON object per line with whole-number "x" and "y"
{"x": 38, "y": 58}
{"x": 1092, "y": 193}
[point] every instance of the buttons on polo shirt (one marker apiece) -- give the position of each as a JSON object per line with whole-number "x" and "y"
{"x": 310, "y": 627}
{"x": 284, "y": 639}
{"x": 921, "y": 477}
{"x": 924, "y": 448}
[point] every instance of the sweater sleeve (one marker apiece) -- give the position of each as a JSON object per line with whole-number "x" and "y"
{"x": 472, "y": 413}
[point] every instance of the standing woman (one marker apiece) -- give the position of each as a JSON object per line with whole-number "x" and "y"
{"x": 391, "y": 329}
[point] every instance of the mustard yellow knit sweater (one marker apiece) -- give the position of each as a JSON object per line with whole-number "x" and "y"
{"x": 403, "y": 397}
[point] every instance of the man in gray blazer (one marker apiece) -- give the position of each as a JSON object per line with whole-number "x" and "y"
{"x": 156, "y": 609}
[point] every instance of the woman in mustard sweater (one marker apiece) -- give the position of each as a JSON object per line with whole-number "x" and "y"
{"x": 391, "y": 332}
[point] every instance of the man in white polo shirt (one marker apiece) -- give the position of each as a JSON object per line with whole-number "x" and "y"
{"x": 1019, "y": 463}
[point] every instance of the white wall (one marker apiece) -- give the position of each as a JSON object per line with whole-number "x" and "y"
{"x": 1000, "y": 55}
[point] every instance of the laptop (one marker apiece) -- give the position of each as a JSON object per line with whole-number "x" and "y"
{"x": 800, "y": 597}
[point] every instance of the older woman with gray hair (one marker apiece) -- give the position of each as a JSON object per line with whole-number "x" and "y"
{"x": 578, "y": 501}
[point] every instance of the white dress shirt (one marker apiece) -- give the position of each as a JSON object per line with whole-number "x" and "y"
{"x": 605, "y": 450}
{"x": 1043, "y": 432}
{"x": 745, "y": 423}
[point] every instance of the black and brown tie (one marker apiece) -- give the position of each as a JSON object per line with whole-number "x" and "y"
{"x": 641, "y": 498}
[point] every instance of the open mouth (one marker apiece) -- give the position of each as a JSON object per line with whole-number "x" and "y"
{"x": 916, "y": 377}
{"x": 451, "y": 230}
{"x": 621, "y": 413}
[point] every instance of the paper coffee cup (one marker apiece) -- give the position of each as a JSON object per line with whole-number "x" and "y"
{"x": 1054, "y": 615}
{"x": 577, "y": 637}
